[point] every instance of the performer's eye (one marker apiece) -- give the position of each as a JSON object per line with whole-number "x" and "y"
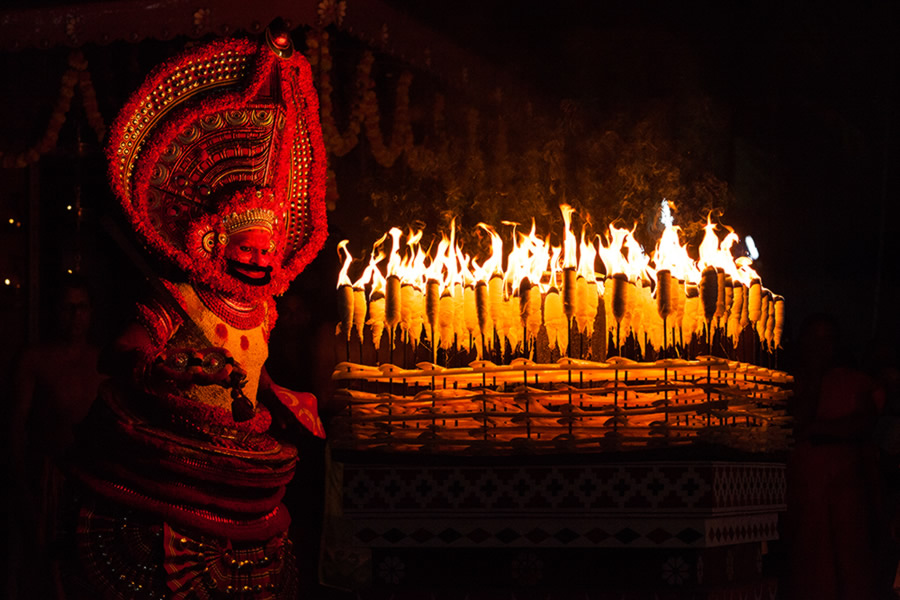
{"x": 245, "y": 248}
{"x": 264, "y": 252}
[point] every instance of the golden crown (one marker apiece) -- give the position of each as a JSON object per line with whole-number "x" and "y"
{"x": 249, "y": 219}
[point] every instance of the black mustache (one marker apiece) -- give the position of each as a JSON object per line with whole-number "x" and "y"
{"x": 248, "y": 267}
{"x": 236, "y": 269}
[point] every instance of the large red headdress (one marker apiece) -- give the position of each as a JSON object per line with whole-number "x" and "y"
{"x": 225, "y": 133}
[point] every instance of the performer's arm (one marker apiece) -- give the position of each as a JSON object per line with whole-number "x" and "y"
{"x": 133, "y": 353}
{"x": 303, "y": 406}
{"x": 128, "y": 351}
{"x": 143, "y": 353}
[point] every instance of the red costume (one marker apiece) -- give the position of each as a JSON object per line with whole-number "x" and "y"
{"x": 219, "y": 163}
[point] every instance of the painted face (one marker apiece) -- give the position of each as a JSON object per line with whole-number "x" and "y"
{"x": 248, "y": 256}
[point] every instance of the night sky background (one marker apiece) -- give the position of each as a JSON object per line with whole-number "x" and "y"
{"x": 806, "y": 95}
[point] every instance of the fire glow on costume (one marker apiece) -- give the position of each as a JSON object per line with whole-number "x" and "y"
{"x": 219, "y": 163}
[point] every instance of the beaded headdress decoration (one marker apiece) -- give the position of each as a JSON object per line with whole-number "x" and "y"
{"x": 249, "y": 219}
{"x": 224, "y": 137}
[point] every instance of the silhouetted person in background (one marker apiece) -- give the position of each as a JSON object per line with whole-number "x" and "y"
{"x": 56, "y": 383}
{"x": 832, "y": 472}
{"x": 885, "y": 368}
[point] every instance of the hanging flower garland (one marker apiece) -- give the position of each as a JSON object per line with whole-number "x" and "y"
{"x": 422, "y": 159}
{"x": 401, "y": 135}
{"x": 89, "y": 101}
{"x": 364, "y": 111}
{"x": 319, "y": 56}
{"x": 331, "y": 11}
{"x": 77, "y": 73}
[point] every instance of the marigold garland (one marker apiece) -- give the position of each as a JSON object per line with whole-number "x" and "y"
{"x": 421, "y": 158}
{"x": 401, "y": 135}
{"x": 331, "y": 11}
{"x": 319, "y": 57}
{"x": 77, "y": 73}
{"x": 365, "y": 112}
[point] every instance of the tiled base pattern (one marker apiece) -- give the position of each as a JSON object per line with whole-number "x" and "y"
{"x": 629, "y": 488}
{"x": 686, "y": 504}
{"x": 766, "y": 590}
{"x": 683, "y": 524}
{"x": 710, "y": 573}
{"x": 565, "y": 533}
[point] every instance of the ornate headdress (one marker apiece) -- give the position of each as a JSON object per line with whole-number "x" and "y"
{"x": 221, "y": 138}
{"x": 262, "y": 218}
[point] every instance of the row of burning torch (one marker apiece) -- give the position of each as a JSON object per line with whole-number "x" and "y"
{"x": 460, "y": 303}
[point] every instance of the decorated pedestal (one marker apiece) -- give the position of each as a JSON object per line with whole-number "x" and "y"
{"x": 528, "y": 424}
{"x": 567, "y": 527}
{"x": 590, "y": 480}
{"x": 569, "y": 406}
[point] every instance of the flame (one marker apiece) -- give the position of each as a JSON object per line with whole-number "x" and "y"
{"x": 717, "y": 253}
{"x": 412, "y": 268}
{"x": 528, "y": 280}
{"x": 665, "y": 213}
{"x": 468, "y": 278}
{"x": 638, "y": 262}
{"x": 745, "y": 273}
{"x": 343, "y": 278}
{"x": 570, "y": 249}
{"x": 555, "y": 267}
{"x": 533, "y": 257}
{"x": 672, "y": 255}
{"x": 394, "y": 264}
{"x": 455, "y": 259}
{"x": 494, "y": 264}
{"x": 611, "y": 254}
{"x": 372, "y": 275}
{"x": 540, "y": 259}
{"x": 623, "y": 254}
{"x": 435, "y": 270}
{"x": 528, "y": 259}
{"x": 587, "y": 258}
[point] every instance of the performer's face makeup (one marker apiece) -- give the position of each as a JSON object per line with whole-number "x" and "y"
{"x": 248, "y": 256}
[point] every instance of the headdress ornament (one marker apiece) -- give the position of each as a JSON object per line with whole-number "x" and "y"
{"x": 261, "y": 218}
{"x": 221, "y": 138}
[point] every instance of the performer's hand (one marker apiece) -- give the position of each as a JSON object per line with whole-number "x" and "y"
{"x": 209, "y": 366}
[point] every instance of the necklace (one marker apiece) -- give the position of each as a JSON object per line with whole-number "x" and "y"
{"x": 239, "y": 316}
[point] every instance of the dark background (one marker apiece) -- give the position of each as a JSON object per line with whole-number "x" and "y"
{"x": 790, "y": 105}
{"x": 806, "y": 94}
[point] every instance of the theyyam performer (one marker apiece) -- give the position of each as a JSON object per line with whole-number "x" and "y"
{"x": 219, "y": 163}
